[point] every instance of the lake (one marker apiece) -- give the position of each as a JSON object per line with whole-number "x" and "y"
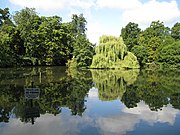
{"x": 89, "y": 102}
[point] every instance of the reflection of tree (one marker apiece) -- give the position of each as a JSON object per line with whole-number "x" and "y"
{"x": 130, "y": 97}
{"x": 7, "y": 100}
{"x": 66, "y": 93}
{"x": 24, "y": 76}
{"x": 59, "y": 90}
{"x": 155, "y": 88}
{"x": 5, "y": 107}
{"x": 24, "y": 110}
{"x": 111, "y": 84}
{"x": 56, "y": 92}
{"x": 175, "y": 100}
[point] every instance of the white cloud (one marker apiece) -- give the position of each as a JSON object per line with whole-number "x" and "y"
{"x": 93, "y": 93}
{"x": 153, "y": 10}
{"x": 94, "y": 31}
{"x": 166, "y": 115}
{"x": 53, "y": 4}
{"x": 41, "y": 4}
{"x": 117, "y": 125}
{"x": 64, "y": 123}
{"x": 121, "y": 4}
{"x": 126, "y": 11}
{"x": 47, "y": 124}
{"x": 123, "y": 123}
{"x": 142, "y": 13}
{"x": 85, "y": 4}
{"x": 135, "y": 10}
{"x": 97, "y": 29}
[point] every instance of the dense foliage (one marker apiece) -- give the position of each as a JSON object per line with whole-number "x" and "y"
{"x": 112, "y": 53}
{"x": 28, "y": 39}
{"x": 156, "y": 46}
{"x": 130, "y": 34}
{"x": 38, "y": 40}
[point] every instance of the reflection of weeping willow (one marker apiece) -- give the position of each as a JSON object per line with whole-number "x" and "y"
{"x": 111, "y": 84}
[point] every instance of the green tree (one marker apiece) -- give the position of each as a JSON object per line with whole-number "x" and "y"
{"x": 130, "y": 35}
{"x": 10, "y": 41}
{"x": 140, "y": 52}
{"x": 152, "y": 49}
{"x": 150, "y": 43}
{"x": 5, "y": 53}
{"x": 175, "y": 31}
{"x": 170, "y": 55}
{"x": 83, "y": 50}
{"x": 157, "y": 29}
{"x": 52, "y": 41}
{"x": 27, "y": 22}
{"x": 47, "y": 40}
{"x": 78, "y": 24}
{"x": 112, "y": 53}
{"x": 5, "y": 17}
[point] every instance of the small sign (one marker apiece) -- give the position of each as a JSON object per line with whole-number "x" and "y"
{"x": 32, "y": 112}
{"x": 32, "y": 93}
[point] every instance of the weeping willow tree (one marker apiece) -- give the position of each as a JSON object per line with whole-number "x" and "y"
{"x": 112, "y": 84}
{"x": 112, "y": 53}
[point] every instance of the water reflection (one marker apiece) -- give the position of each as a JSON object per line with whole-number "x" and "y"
{"x": 57, "y": 90}
{"x": 30, "y": 110}
{"x": 72, "y": 102}
{"x": 112, "y": 84}
{"x": 156, "y": 89}
{"x": 124, "y": 123}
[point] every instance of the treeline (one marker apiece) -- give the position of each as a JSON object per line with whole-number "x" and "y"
{"x": 27, "y": 39}
{"x": 156, "y": 46}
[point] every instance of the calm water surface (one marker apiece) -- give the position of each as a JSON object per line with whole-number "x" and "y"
{"x": 89, "y": 102}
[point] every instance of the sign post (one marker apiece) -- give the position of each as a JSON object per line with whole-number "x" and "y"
{"x": 32, "y": 93}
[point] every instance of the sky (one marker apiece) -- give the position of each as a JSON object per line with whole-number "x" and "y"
{"x": 104, "y": 17}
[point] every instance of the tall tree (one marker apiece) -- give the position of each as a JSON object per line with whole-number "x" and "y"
{"x": 5, "y": 17}
{"x": 27, "y": 22}
{"x": 83, "y": 50}
{"x": 10, "y": 40}
{"x": 170, "y": 55}
{"x": 130, "y": 34}
{"x": 78, "y": 24}
{"x": 152, "y": 40}
{"x": 175, "y": 31}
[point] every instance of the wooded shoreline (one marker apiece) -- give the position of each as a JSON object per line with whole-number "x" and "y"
{"x": 27, "y": 39}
